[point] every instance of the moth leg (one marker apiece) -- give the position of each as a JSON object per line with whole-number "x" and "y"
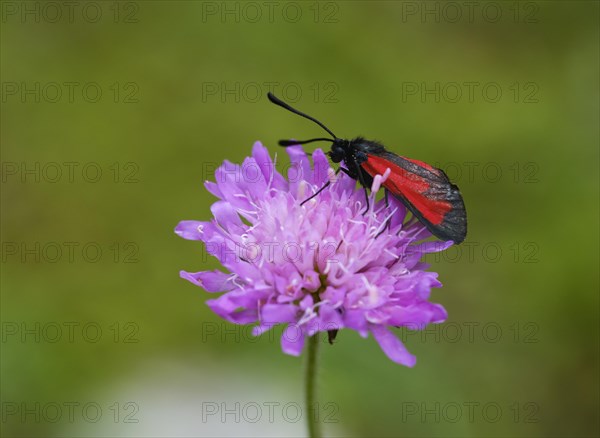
{"x": 388, "y": 222}
{"x": 346, "y": 171}
{"x": 361, "y": 179}
{"x": 327, "y": 184}
{"x": 367, "y": 201}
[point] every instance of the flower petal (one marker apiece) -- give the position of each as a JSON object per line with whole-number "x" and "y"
{"x": 190, "y": 230}
{"x": 292, "y": 340}
{"x": 299, "y": 168}
{"x": 225, "y": 215}
{"x": 321, "y": 168}
{"x": 234, "y": 308}
{"x": 210, "y": 281}
{"x": 392, "y": 347}
{"x": 427, "y": 247}
{"x": 278, "y": 313}
{"x": 329, "y": 318}
{"x": 261, "y": 328}
{"x": 213, "y": 188}
{"x": 418, "y": 316}
{"x": 355, "y": 319}
{"x": 272, "y": 177}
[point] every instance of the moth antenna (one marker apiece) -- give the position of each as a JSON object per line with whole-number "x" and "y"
{"x": 282, "y": 104}
{"x": 286, "y": 143}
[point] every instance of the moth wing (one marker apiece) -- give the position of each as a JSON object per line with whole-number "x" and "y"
{"x": 425, "y": 190}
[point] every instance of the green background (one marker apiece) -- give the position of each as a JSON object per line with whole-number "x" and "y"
{"x": 525, "y": 281}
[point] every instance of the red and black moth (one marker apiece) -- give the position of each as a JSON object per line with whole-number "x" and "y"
{"x": 425, "y": 190}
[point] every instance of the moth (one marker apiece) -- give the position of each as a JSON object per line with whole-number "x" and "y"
{"x": 426, "y": 191}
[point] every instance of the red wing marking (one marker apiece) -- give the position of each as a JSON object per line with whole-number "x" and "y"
{"x": 414, "y": 188}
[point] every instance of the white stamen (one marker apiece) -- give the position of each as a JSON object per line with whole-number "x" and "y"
{"x": 380, "y": 179}
{"x": 331, "y": 175}
{"x": 386, "y": 174}
{"x": 302, "y": 189}
{"x": 384, "y": 223}
{"x": 376, "y": 184}
{"x": 371, "y": 289}
{"x": 396, "y": 256}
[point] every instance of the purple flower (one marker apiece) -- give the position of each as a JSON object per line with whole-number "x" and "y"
{"x": 318, "y": 267}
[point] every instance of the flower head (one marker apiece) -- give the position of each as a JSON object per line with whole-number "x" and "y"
{"x": 322, "y": 266}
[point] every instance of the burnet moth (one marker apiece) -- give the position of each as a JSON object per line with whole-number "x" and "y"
{"x": 425, "y": 190}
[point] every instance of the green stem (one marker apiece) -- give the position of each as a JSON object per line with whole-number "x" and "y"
{"x": 310, "y": 393}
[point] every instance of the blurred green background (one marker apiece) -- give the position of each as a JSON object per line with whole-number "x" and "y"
{"x": 502, "y": 95}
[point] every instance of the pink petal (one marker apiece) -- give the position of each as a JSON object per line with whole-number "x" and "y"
{"x": 292, "y": 340}
{"x": 211, "y": 281}
{"x": 392, "y": 347}
{"x": 190, "y": 230}
{"x": 321, "y": 167}
{"x": 213, "y": 188}
{"x": 225, "y": 215}
{"x": 278, "y": 313}
{"x": 436, "y": 246}
{"x": 299, "y": 167}
{"x": 267, "y": 167}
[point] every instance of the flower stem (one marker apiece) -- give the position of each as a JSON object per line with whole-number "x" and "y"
{"x": 310, "y": 392}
